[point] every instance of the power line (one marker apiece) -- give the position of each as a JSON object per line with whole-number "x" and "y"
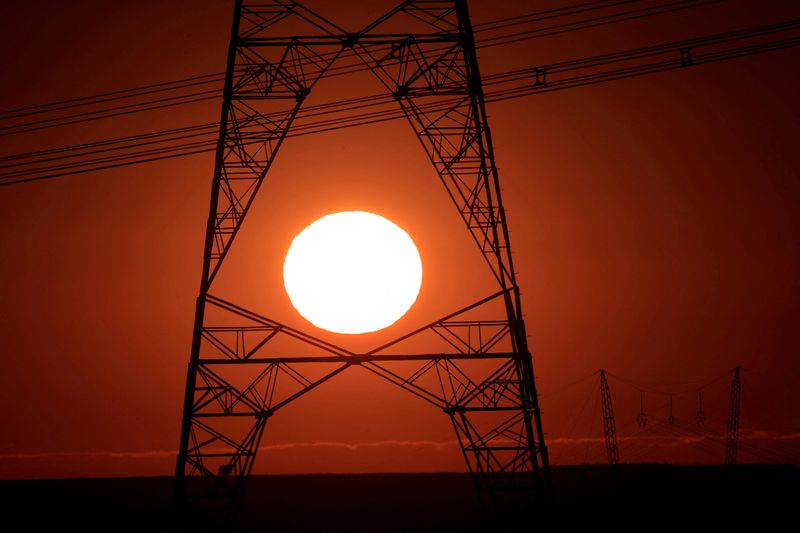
{"x": 595, "y": 22}
{"x": 108, "y": 142}
{"x": 113, "y": 95}
{"x": 549, "y": 14}
{"x": 358, "y": 66}
{"x": 380, "y": 108}
{"x": 118, "y": 111}
{"x": 146, "y": 106}
{"x": 701, "y": 385}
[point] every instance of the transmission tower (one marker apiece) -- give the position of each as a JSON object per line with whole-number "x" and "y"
{"x": 478, "y": 369}
{"x": 609, "y": 425}
{"x": 732, "y": 433}
{"x": 700, "y": 417}
{"x": 641, "y": 418}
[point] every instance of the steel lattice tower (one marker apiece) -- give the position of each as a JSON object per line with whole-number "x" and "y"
{"x": 732, "y": 432}
{"x": 481, "y": 372}
{"x": 609, "y": 423}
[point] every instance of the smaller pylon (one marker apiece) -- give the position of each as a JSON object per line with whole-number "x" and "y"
{"x": 732, "y": 434}
{"x": 641, "y": 419}
{"x": 609, "y": 425}
{"x": 670, "y": 418}
{"x": 700, "y": 418}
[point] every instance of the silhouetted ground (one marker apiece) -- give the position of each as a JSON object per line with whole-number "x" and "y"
{"x": 626, "y": 498}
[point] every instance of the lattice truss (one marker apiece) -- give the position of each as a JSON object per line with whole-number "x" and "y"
{"x": 477, "y": 370}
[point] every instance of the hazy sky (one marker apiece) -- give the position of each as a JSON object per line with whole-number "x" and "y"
{"x": 654, "y": 223}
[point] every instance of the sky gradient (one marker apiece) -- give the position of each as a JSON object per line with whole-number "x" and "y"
{"x": 654, "y": 224}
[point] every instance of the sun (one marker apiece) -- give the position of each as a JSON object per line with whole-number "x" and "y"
{"x": 352, "y": 272}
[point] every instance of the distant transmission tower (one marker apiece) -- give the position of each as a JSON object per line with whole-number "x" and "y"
{"x": 476, "y": 367}
{"x": 609, "y": 424}
{"x": 641, "y": 418}
{"x": 700, "y": 418}
{"x": 732, "y": 433}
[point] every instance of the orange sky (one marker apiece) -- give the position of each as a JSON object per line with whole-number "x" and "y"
{"x": 653, "y": 220}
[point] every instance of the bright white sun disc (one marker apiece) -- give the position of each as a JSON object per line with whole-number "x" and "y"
{"x": 352, "y": 272}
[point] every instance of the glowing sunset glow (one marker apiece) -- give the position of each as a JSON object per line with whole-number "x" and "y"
{"x": 352, "y": 272}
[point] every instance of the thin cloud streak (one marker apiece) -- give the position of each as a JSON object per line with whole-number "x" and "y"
{"x": 436, "y": 445}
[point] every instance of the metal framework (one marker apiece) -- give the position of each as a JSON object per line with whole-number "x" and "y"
{"x": 732, "y": 433}
{"x": 609, "y": 424}
{"x": 478, "y": 371}
{"x": 641, "y": 418}
{"x": 700, "y": 417}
